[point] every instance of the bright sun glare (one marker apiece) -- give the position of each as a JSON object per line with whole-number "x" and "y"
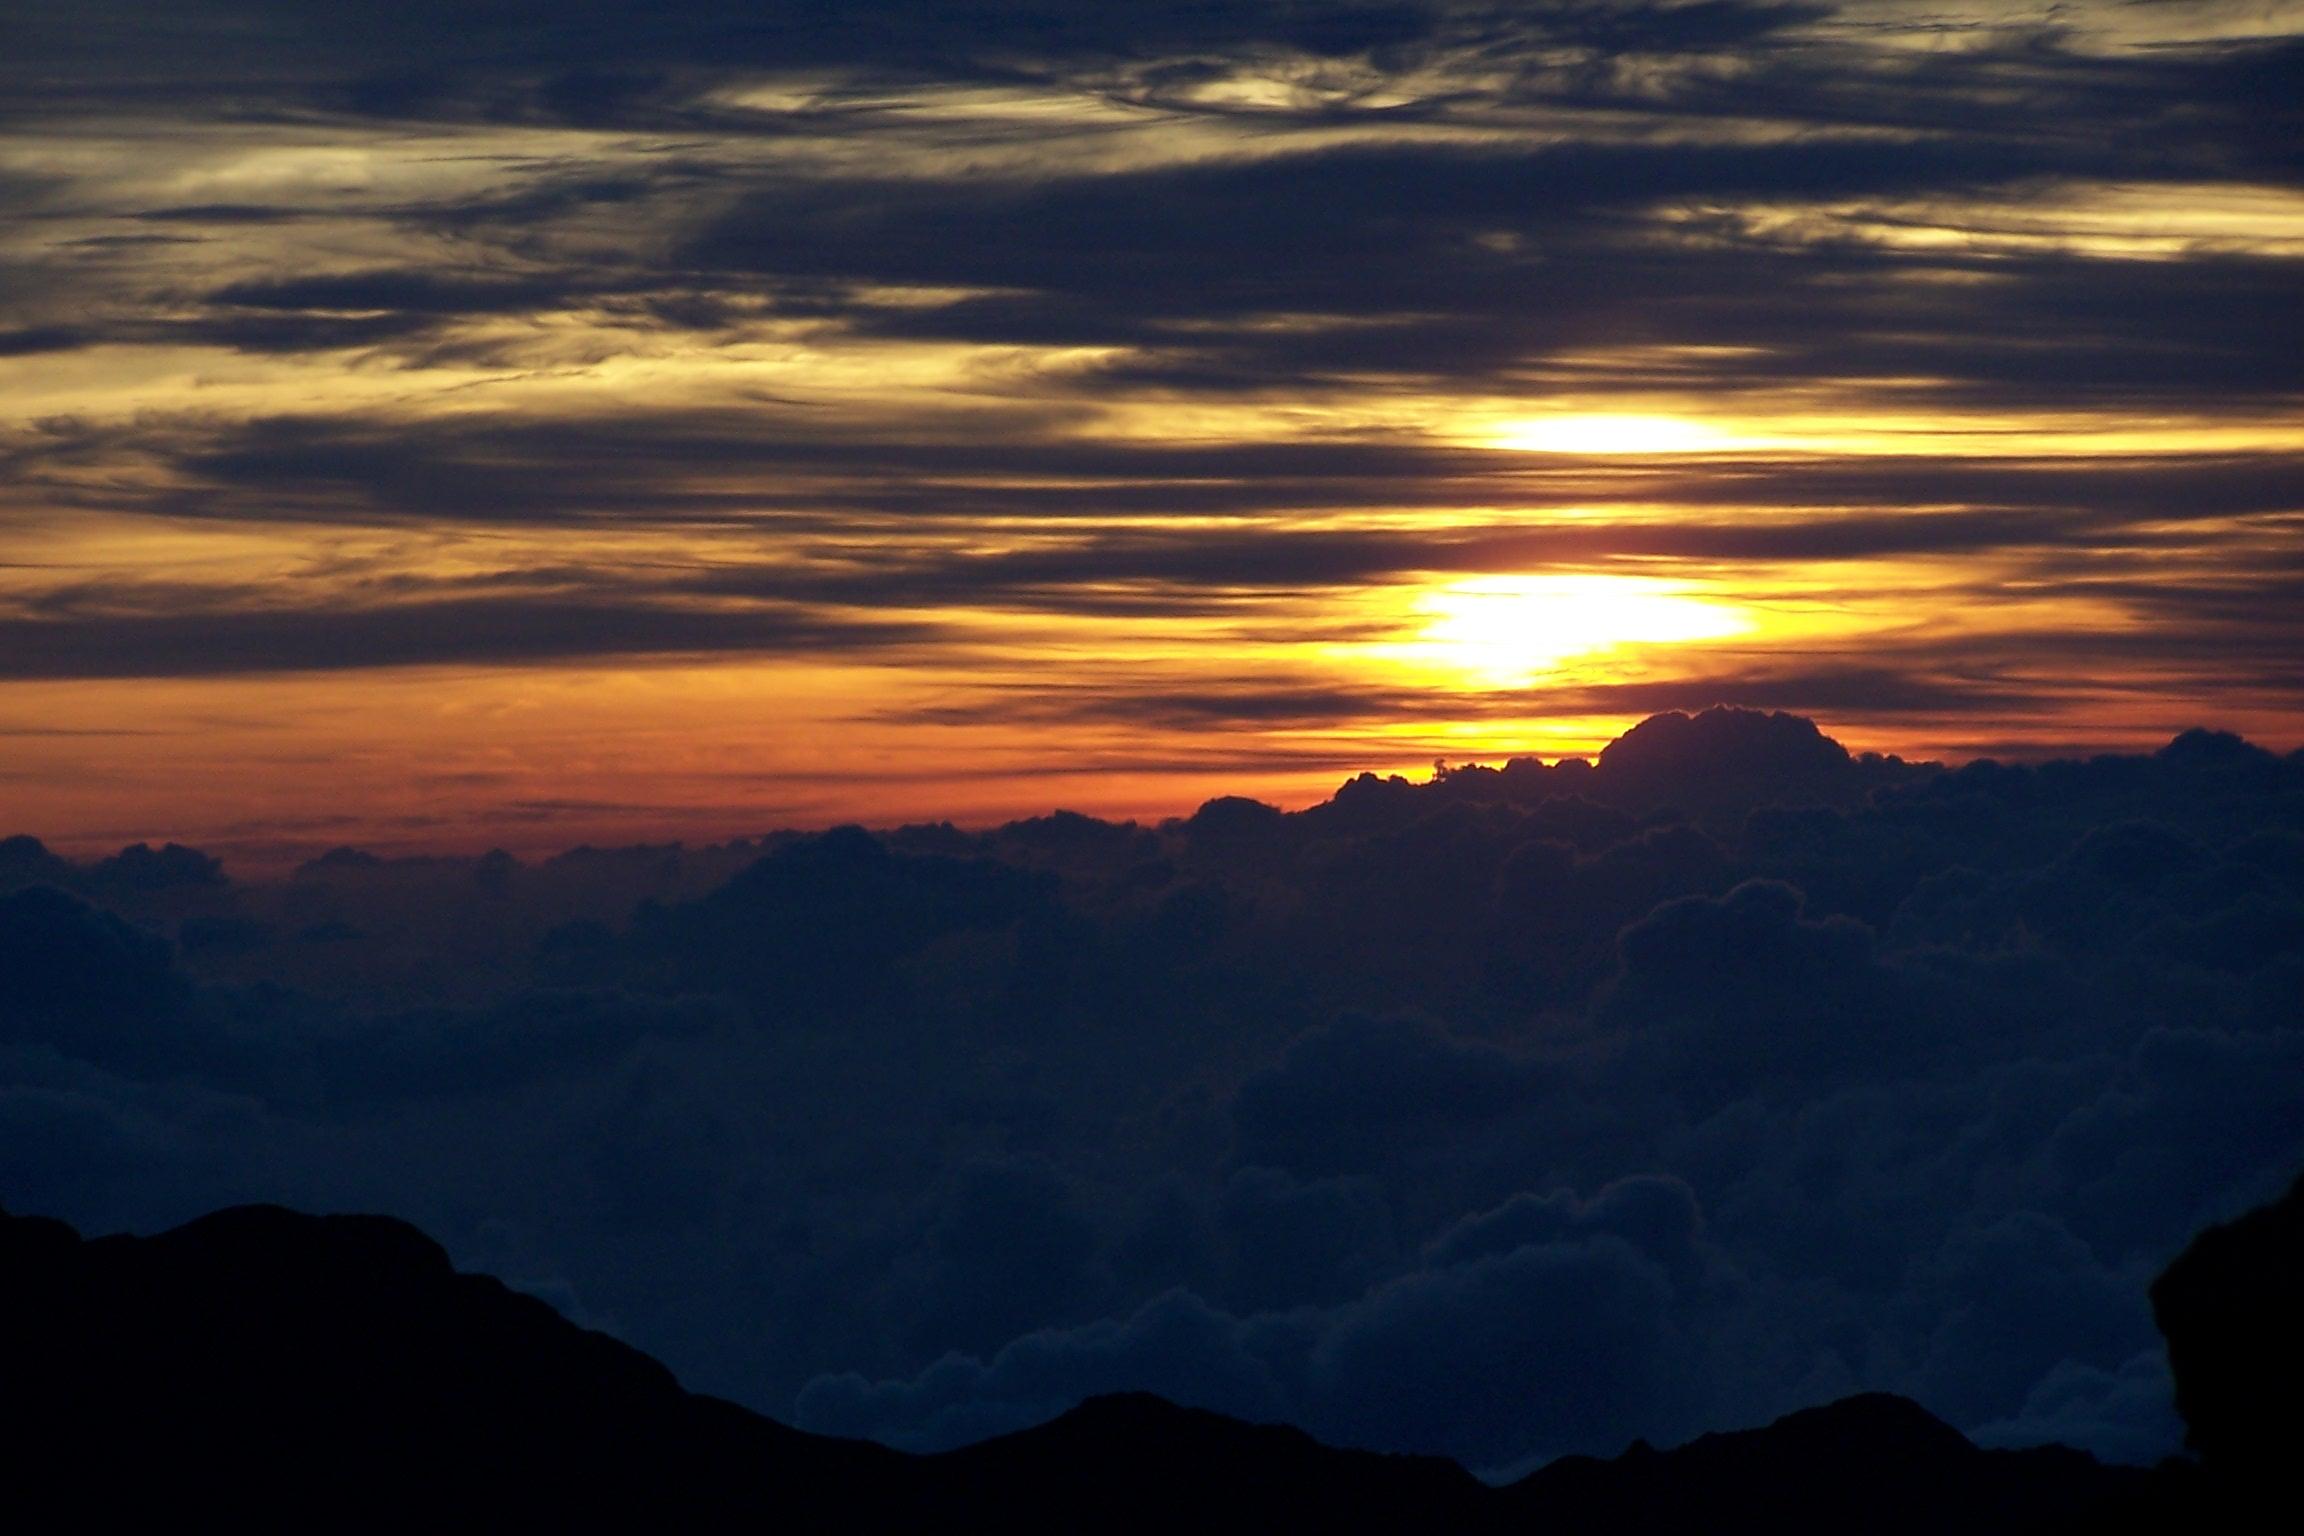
{"x": 1505, "y": 630}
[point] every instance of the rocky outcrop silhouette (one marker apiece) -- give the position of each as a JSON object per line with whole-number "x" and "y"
{"x": 273, "y": 1369}
{"x": 2232, "y": 1309}
{"x": 1133, "y": 1461}
{"x": 1877, "y": 1464}
{"x": 263, "y": 1366}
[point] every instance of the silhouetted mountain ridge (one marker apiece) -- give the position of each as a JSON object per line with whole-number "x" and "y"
{"x": 257, "y": 1360}
{"x": 278, "y": 1367}
{"x": 1134, "y": 1459}
{"x": 1874, "y": 1463}
{"x": 2232, "y": 1310}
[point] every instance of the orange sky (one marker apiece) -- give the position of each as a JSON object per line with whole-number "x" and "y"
{"x": 826, "y": 435}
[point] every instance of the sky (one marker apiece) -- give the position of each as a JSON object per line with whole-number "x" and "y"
{"x": 436, "y": 426}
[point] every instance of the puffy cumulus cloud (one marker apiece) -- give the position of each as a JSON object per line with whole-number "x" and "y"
{"x": 2127, "y": 1414}
{"x": 1005, "y": 1250}
{"x": 1742, "y": 993}
{"x": 1530, "y": 1108}
{"x": 1655, "y": 1214}
{"x": 1177, "y": 1345}
{"x": 822, "y": 919}
{"x": 25, "y": 860}
{"x": 142, "y": 867}
{"x": 1285, "y": 1242}
{"x": 91, "y": 986}
{"x": 1544, "y": 1350}
{"x": 1487, "y": 1351}
{"x": 2197, "y": 1114}
{"x": 1362, "y": 1092}
{"x": 62, "y": 1149}
{"x": 495, "y": 1049}
{"x": 2022, "y": 1298}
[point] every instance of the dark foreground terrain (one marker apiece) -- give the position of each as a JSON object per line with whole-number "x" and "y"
{"x": 278, "y": 1369}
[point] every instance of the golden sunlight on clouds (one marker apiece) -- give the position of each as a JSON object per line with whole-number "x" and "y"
{"x": 1873, "y": 420}
{"x": 1614, "y": 433}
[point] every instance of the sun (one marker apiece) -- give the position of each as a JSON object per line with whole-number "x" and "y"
{"x": 1503, "y": 631}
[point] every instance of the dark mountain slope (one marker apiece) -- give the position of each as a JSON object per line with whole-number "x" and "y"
{"x": 1874, "y": 1464}
{"x": 275, "y": 1369}
{"x": 271, "y": 1366}
{"x": 1134, "y": 1461}
{"x": 2232, "y": 1309}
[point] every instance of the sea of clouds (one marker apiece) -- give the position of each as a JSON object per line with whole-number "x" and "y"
{"x": 1520, "y": 1112}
